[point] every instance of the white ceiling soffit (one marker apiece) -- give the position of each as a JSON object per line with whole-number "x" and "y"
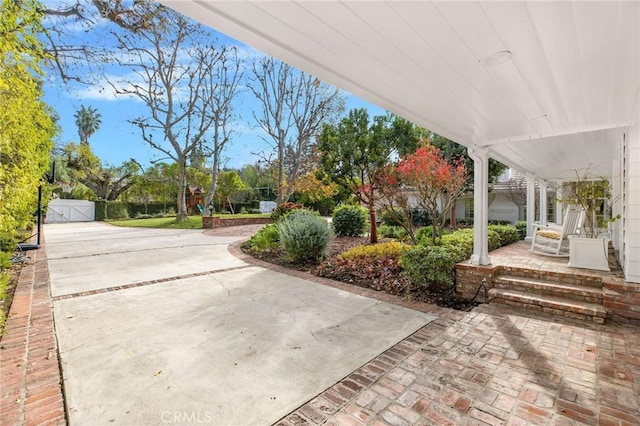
{"x": 566, "y": 69}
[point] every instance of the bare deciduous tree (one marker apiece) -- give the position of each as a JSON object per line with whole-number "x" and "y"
{"x": 219, "y": 91}
{"x": 174, "y": 67}
{"x": 294, "y": 105}
{"x": 68, "y": 21}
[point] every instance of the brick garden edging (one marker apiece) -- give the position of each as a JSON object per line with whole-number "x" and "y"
{"x": 211, "y": 222}
{"x": 29, "y": 365}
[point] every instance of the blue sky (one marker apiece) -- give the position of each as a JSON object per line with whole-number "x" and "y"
{"x": 117, "y": 140}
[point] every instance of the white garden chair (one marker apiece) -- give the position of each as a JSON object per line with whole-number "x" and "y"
{"x": 552, "y": 239}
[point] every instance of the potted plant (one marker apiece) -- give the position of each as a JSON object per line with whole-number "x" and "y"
{"x": 590, "y": 249}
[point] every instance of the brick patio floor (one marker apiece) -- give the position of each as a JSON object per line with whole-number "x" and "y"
{"x": 492, "y": 365}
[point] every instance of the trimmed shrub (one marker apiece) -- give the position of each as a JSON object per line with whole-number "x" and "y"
{"x": 521, "y": 226}
{"x": 508, "y": 234}
{"x": 304, "y": 236}
{"x": 498, "y": 222}
{"x": 391, "y": 250}
{"x": 284, "y": 208}
{"x": 349, "y": 221}
{"x": 267, "y": 238}
{"x": 494, "y": 240}
{"x": 396, "y": 232}
{"x": 432, "y": 266}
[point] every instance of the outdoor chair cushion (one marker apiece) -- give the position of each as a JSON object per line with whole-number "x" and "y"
{"x": 546, "y": 233}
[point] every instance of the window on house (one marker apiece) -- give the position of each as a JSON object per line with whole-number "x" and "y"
{"x": 468, "y": 209}
{"x": 551, "y": 208}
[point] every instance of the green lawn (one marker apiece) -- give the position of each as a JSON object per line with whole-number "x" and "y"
{"x": 193, "y": 222}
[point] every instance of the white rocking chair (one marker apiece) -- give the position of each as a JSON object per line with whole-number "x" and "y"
{"x": 551, "y": 239}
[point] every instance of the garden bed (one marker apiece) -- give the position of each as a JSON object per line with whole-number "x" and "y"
{"x": 393, "y": 283}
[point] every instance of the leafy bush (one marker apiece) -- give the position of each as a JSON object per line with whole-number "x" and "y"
{"x": 392, "y": 217}
{"x": 508, "y": 234}
{"x": 432, "y": 266}
{"x": 349, "y": 221}
{"x": 391, "y": 250}
{"x": 304, "y": 236}
{"x": 5, "y": 279}
{"x": 7, "y": 241}
{"x": 397, "y": 232}
{"x": 494, "y": 240}
{"x": 419, "y": 217}
{"x": 498, "y": 222}
{"x": 423, "y": 235}
{"x": 283, "y": 209}
{"x": 5, "y": 260}
{"x": 521, "y": 226}
{"x": 267, "y": 238}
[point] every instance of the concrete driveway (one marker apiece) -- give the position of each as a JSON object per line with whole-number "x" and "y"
{"x": 167, "y": 327}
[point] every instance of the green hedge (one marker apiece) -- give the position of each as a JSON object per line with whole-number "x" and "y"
{"x": 117, "y": 210}
{"x": 110, "y": 210}
{"x": 135, "y": 209}
{"x": 101, "y": 209}
{"x": 434, "y": 265}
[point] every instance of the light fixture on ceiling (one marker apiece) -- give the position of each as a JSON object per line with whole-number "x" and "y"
{"x": 540, "y": 117}
{"x": 496, "y": 58}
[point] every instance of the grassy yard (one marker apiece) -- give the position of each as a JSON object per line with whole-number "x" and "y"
{"x": 193, "y": 222}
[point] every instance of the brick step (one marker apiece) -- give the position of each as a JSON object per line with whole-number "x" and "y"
{"x": 577, "y": 278}
{"x": 551, "y": 304}
{"x": 550, "y": 288}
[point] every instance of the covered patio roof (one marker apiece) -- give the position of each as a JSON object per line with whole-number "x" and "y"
{"x": 545, "y": 87}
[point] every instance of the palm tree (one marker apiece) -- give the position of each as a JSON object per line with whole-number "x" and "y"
{"x": 88, "y": 122}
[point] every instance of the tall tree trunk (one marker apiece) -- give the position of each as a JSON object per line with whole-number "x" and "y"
{"x": 214, "y": 183}
{"x": 373, "y": 237}
{"x": 183, "y": 214}
{"x": 281, "y": 191}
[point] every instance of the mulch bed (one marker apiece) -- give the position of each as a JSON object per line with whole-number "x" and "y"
{"x": 338, "y": 245}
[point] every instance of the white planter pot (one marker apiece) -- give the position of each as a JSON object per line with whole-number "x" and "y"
{"x": 589, "y": 253}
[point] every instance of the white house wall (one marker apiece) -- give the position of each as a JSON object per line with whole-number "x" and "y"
{"x": 631, "y": 200}
{"x": 503, "y": 209}
{"x": 500, "y": 208}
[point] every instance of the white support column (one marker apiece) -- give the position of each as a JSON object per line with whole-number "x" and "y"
{"x": 480, "y": 206}
{"x": 559, "y": 205}
{"x": 531, "y": 205}
{"x": 543, "y": 202}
